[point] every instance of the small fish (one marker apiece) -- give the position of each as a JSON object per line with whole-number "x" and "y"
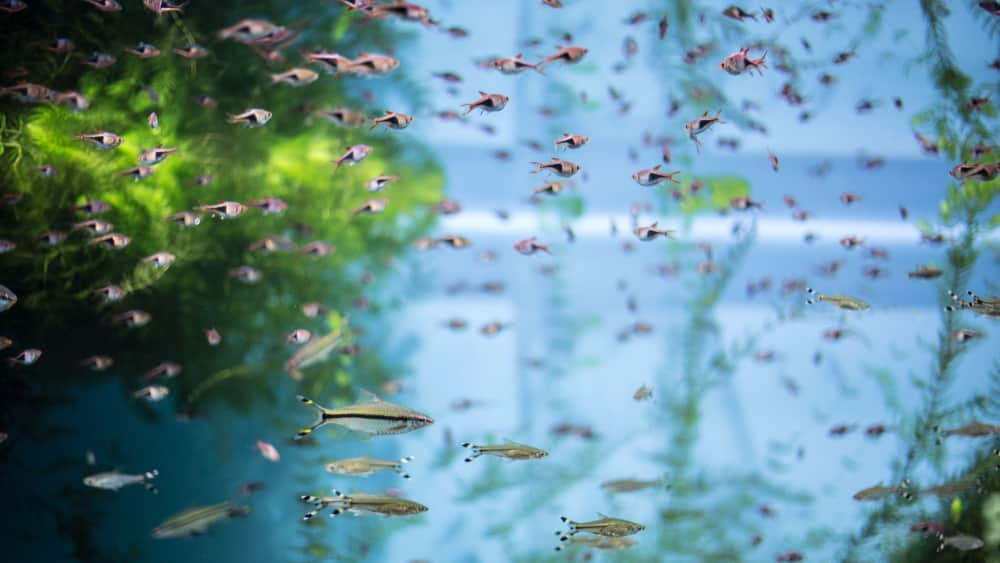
{"x": 160, "y": 7}
{"x": 99, "y": 60}
{"x": 928, "y": 528}
{"x": 925, "y": 273}
{"x": 567, "y": 55}
{"x": 143, "y": 50}
{"x": 879, "y": 492}
{"x": 374, "y": 417}
{"x": 362, "y": 502}
{"x": 167, "y": 370}
{"x": 155, "y": 156}
{"x": 296, "y": 77}
{"x": 109, "y": 293}
{"x": 743, "y": 203}
{"x": 133, "y": 319}
{"x": 113, "y": 241}
{"x": 700, "y": 125}
{"x": 514, "y": 65}
{"x": 353, "y": 155}
{"x": 487, "y": 102}
{"x": 738, "y": 14}
{"x": 605, "y": 526}
{"x": 768, "y": 14}
{"x": 572, "y": 141}
{"x": 253, "y": 117}
{"x": 981, "y": 172}
{"x": 152, "y": 393}
{"x": 561, "y": 167}
{"x": 740, "y": 62}
{"x": 52, "y": 238}
{"x": 59, "y": 46}
{"x": 529, "y": 246}
{"x": 115, "y": 480}
{"x": 185, "y": 219}
{"x": 773, "y": 159}
{"x": 651, "y": 232}
{"x": 371, "y": 64}
{"x": 315, "y": 351}
{"x": 197, "y": 521}
{"x": 11, "y": 7}
{"x": 643, "y": 393}
{"x": 298, "y": 336}
{"x": 973, "y": 429}
{"x": 268, "y": 451}
{"x": 371, "y": 207}
{"x": 553, "y": 3}
{"x": 138, "y": 172}
{"x": 606, "y": 544}
{"x": 949, "y": 489}
{"x": 631, "y": 485}
{"x": 365, "y": 466}
{"x": 344, "y": 117}
{"x": 550, "y": 188}
{"x": 653, "y": 176}
{"x": 213, "y": 337}
{"x": 28, "y": 93}
{"x": 97, "y": 363}
{"x": 269, "y": 205}
{"x": 246, "y": 274}
{"x": 317, "y": 249}
{"x": 508, "y": 450}
{"x": 842, "y": 301}
{"x": 453, "y": 241}
{"x": 103, "y": 139}
{"x": 7, "y": 298}
{"x": 5, "y": 342}
{"x": 964, "y": 542}
{"x": 25, "y": 357}
{"x": 224, "y": 209}
{"x": 392, "y": 120}
{"x": 789, "y": 556}
{"x": 379, "y": 182}
{"x": 194, "y": 51}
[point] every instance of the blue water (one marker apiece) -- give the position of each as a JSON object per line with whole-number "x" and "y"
{"x": 751, "y": 421}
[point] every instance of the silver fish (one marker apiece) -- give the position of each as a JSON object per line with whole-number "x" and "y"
{"x": 114, "y": 480}
{"x": 197, "y": 521}
{"x": 375, "y": 417}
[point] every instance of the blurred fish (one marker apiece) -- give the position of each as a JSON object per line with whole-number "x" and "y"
{"x": 103, "y": 139}
{"x": 571, "y": 141}
{"x": 561, "y": 167}
{"x": 773, "y": 159}
{"x": 109, "y": 293}
{"x": 979, "y": 171}
{"x": 160, "y": 7}
{"x": 362, "y": 502}
{"x": 988, "y": 306}
{"x": 213, "y": 337}
{"x": 353, "y": 155}
{"x": 365, "y": 466}
{"x": 487, "y": 102}
{"x": 99, "y": 60}
{"x": 789, "y": 556}
{"x": 52, "y": 238}
{"x": 605, "y": 526}
{"x": 143, "y": 50}
{"x": 492, "y": 328}
{"x": 155, "y": 156}
{"x": 529, "y": 246}
{"x": 653, "y": 176}
{"x": 514, "y": 65}
{"x": 651, "y": 232}
{"x": 5, "y": 343}
{"x": 247, "y": 489}
{"x": 879, "y": 492}
{"x": 133, "y": 319}
{"x": 11, "y": 7}
{"x": 740, "y": 62}
{"x": 842, "y": 301}
{"x": 138, "y": 172}
{"x": 392, "y": 120}
{"x": 193, "y": 51}
{"x": 167, "y": 370}
{"x": 317, "y": 248}
{"x": 508, "y": 450}
{"x": 699, "y": 125}
{"x": 245, "y": 274}
{"x": 371, "y": 64}
{"x": 964, "y": 542}
{"x": 113, "y": 241}
{"x": 973, "y": 429}
{"x": 949, "y": 489}
{"x": 295, "y": 77}
{"x": 379, "y": 182}
{"x": 25, "y": 357}
{"x": 28, "y": 93}
{"x": 115, "y": 480}
{"x": 7, "y": 298}
{"x": 7, "y": 246}
{"x": 631, "y": 485}
{"x": 268, "y": 451}
{"x": 185, "y": 219}
{"x": 371, "y": 207}
{"x": 453, "y": 241}
{"x": 197, "y": 521}
{"x": 97, "y": 363}
{"x": 930, "y": 528}
{"x": 152, "y": 393}
{"x": 59, "y": 46}
{"x": 253, "y": 117}
{"x": 269, "y": 205}
{"x": 224, "y": 209}
{"x": 568, "y": 55}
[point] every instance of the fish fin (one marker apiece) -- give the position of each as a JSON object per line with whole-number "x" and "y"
{"x": 657, "y": 167}
{"x": 374, "y": 125}
{"x": 653, "y": 226}
{"x": 319, "y": 421}
{"x": 481, "y": 93}
{"x": 406, "y": 459}
{"x": 372, "y": 397}
{"x": 602, "y": 515}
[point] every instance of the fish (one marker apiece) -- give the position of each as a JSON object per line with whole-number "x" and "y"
{"x": 138, "y": 172}
{"x": 298, "y": 336}
{"x": 344, "y": 117}
{"x": 372, "y": 64}
{"x": 197, "y": 521}
{"x": 379, "y": 182}
{"x": 404, "y": 10}
{"x": 28, "y": 93}
{"x": 52, "y": 238}
{"x": 193, "y": 51}
{"x": 103, "y": 140}
{"x": 744, "y": 203}
{"x": 5, "y": 342}
{"x": 167, "y": 370}
{"x": 295, "y": 77}
{"x": 453, "y": 241}
{"x": 978, "y": 171}
{"x": 701, "y": 124}
{"x": 738, "y": 14}
{"x": 643, "y": 393}
{"x": 115, "y": 480}
{"x": 246, "y": 274}
{"x": 365, "y": 466}
{"x": 268, "y": 451}
{"x": 135, "y": 318}
{"x": 928, "y": 528}
{"x": 7, "y": 298}
{"x": 949, "y": 489}
{"x": 768, "y": 14}
{"x": 789, "y": 556}
{"x": 160, "y": 7}
{"x": 113, "y": 241}
{"x": 842, "y": 301}
{"x": 248, "y": 30}
{"x": 606, "y": 544}
{"x": 553, "y": 3}
{"x": 143, "y": 50}
{"x": 549, "y": 188}
{"x": 964, "y": 542}
{"x": 97, "y": 363}
{"x": 566, "y": 55}
{"x": 392, "y": 120}
{"x": 605, "y": 526}
{"x": 12, "y": 7}
{"x": 269, "y": 205}
{"x": 25, "y": 357}
{"x": 109, "y": 293}
{"x": 213, "y": 337}
{"x": 653, "y": 176}
{"x": 773, "y": 159}
{"x": 331, "y": 62}
{"x": 988, "y": 306}
{"x": 224, "y": 209}
{"x": 571, "y": 141}
{"x": 508, "y": 450}
{"x": 7, "y": 246}
{"x": 59, "y": 46}
{"x": 631, "y": 485}
{"x": 185, "y": 219}
{"x": 99, "y": 60}
{"x": 362, "y": 502}
{"x": 879, "y": 492}
{"x": 487, "y": 102}
{"x": 561, "y": 167}
{"x": 3, "y": 435}
{"x": 254, "y": 117}
{"x": 152, "y": 393}
{"x": 651, "y": 232}
{"x": 529, "y": 246}
{"x": 353, "y": 155}
{"x": 155, "y": 156}
{"x": 374, "y": 417}
{"x": 974, "y": 429}
{"x": 740, "y": 62}
{"x": 371, "y": 207}
{"x": 514, "y": 65}
{"x": 925, "y": 273}
{"x": 317, "y": 248}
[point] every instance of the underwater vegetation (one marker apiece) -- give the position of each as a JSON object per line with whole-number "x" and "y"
{"x": 209, "y": 209}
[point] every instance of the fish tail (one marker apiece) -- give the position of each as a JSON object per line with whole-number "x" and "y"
{"x": 568, "y": 522}
{"x": 475, "y": 451}
{"x": 538, "y": 68}
{"x": 320, "y": 421}
{"x": 232, "y": 118}
{"x": 147, "y": 476}
{"x": 468, "y": 109}
{"x": 374, "y": 125}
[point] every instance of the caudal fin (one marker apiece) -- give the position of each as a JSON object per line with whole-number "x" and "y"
{"x": 320, "y": 421}
{"x": 399, "y": 467}
{"x": 475, "y": 451}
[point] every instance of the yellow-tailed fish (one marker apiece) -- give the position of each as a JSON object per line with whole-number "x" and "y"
{"x": 197, "y": 521}
{"x": 842, "y": 301}
{"x": 507, "y": 450}
{"x": 375, "y": 418}
{"x": 362, "y": 502}
{"x": 364, "y": 466}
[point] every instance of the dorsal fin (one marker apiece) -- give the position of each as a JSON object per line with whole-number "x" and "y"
{"x": 481, "y": 93}
{"x": 653, "y": 226}
{"x": 519, "y": 56}
{"x": 372, "y": 397}
{"x": 603, "y": 515}
{"x": 657, "y": 167}
{"x": 705, "y": 114}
